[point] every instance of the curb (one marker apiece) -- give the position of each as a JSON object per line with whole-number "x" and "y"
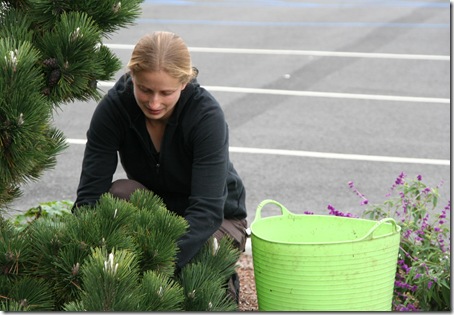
{"x": 248, "y": 247}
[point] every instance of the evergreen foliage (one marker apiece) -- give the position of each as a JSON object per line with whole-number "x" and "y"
{"x": 51, "y": 53}
{"x": 28, "y": 143}
{"x": 115, "y": 256}
{"x": 204, "y": 279}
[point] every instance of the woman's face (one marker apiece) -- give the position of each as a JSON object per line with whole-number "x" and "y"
{"x": 156, "y": 93}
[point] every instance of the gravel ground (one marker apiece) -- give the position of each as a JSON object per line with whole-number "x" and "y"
{"x": 248, "y": 295}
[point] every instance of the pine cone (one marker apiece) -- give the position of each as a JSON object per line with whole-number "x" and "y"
{"x": 46, "y": 91}
{"x": 5, "y": 141}
{"x": 54, "y": 77}
{"x": 51, "y": 63}
{"x": 92, "y": 84}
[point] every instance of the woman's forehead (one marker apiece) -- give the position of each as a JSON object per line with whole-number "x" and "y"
{"x": 159, "y": 80}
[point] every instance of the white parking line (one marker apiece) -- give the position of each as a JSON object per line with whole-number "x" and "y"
{"x": 300, "y": 53}
{"x": 329, "y": 94}
{"x": 314, "y": 94}
{"x": 339, "y": 156}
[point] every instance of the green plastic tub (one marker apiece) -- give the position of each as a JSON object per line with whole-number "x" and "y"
{"x": 323, "y": 262}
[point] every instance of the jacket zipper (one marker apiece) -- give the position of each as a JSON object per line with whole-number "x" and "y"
{"x": 158, "y": 164}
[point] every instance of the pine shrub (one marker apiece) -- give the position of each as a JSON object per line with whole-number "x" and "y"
{"x": 115, "y": 256}
{"x": 51, "y": 53}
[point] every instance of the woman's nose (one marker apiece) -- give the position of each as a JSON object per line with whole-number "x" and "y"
{"x": 154, "y": 100}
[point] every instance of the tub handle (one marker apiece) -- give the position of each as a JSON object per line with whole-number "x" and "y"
{"x": 258, "y": 212}
{"x": 370, "y": 234}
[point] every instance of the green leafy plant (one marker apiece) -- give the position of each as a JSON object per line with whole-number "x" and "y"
{"x": 50, "y": 209}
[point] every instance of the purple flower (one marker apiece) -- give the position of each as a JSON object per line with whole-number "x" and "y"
{"x": 356, "y": 191}
{"x": 419, "y": 177}
{"x": 417, "y": 276}
{"x": 402, "y": 308}
{"x": 400, "y": 179}
{"x": 429, "y": 284}
{"x": 411, "y": 307}
{"x": 405, "y": 268}
{"x": 337, "y": 213}
{"x": 407, "y": 233}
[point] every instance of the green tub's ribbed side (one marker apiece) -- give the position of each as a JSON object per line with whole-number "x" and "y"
{"x": 323, "y": 262}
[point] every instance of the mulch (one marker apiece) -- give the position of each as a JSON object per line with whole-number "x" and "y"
{"x": 248, "y": 294}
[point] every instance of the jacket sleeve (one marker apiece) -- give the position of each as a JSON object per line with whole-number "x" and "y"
{"x": 100, "y": 156}
{"x": 205, "y": 213}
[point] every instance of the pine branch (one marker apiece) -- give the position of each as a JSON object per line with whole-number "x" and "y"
{"x": 204, "y": 290}
{"x": 15, "y": 251}
{"x": 47, "y": 239}
{"x": 161, "y": 293}
{"x": 219, "y": 256}
{"x": 72, "y": 43}
{"x": 28, "y": 144}
{"x": 15, "y": 23}
{"x": 156, "y": 232}
{"x": 68, "y": 278}
{"x": 33, "y": 294}
{"x": 144, "y": 199}
{"x": 45, "y": 13}
{"x": 110, "y": 15}
{"x": 109, "y": 63}
{"x": 166, "y": 221}
{"x": 22, "y": 4}
{"x": 110, "y": 281}
{"x": 13, "y": 306}
{"x": 8, "y": 192}
{"x": 96, "y": 227}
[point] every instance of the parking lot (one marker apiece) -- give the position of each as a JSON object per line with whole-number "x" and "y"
{"x": 316, "y": 94}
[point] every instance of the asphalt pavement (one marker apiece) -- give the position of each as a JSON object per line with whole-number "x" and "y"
{"x": 316, "y": 94}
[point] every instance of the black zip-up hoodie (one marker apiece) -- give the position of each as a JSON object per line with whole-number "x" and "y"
{"x": 193, "y": 174}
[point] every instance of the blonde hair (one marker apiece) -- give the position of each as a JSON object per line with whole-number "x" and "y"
{"x": 164, "y": 51}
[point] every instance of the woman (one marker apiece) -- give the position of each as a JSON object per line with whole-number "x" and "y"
{"x": 172, "y": 139}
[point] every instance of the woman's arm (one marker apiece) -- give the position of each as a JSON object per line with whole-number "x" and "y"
{"x": 208, "y": 185}
{"x": 100, "y": 157}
